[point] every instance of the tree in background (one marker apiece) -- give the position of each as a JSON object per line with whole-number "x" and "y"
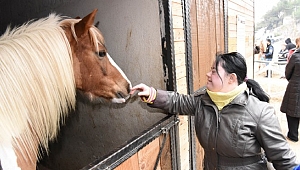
{"x": 274, "y": 18}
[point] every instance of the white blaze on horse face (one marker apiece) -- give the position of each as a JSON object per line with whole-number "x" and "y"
{"x": 118, "y": 68}
{"x": 117, "y": 100}
{"x": 8, "y": 158}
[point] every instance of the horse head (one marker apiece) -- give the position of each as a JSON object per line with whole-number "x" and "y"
{"x": 96, "y": 74}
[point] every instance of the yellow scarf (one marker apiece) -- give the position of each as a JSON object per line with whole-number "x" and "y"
{"x": 222, "y": 99}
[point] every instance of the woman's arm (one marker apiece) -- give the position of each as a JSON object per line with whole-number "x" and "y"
{"x": 169, "y": 101}
{"x": 273, "y": 142}
{"x": 289, "y": 69}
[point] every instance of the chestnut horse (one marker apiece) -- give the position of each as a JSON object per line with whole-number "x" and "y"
{"x": 42, "y": 63}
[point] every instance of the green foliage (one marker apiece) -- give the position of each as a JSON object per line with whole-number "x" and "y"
{"x": 274, "y": 17}
{"x": 296, "y": 4}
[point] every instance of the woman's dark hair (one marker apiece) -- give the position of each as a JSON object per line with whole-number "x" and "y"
{"x": 234, "y": 62}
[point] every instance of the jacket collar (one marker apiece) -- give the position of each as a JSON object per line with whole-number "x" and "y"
{"x": 241, "y": 99}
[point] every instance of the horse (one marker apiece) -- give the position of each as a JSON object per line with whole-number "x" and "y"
{"x": 43, "y": 63}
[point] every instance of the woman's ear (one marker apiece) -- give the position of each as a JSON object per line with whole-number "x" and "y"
{"x": 232, "y": 78}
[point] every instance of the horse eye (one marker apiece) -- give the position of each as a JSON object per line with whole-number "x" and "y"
{"x": 101, "y": 53}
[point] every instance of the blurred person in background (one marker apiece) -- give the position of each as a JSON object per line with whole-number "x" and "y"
{"x": 290, "y": 47}
{"x": 289, "y": 44}
{"x": 291, "y": 99}
{"x": 282, "y": 57}
{"x": 268, "y": 55}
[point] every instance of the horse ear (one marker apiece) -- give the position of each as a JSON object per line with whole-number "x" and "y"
{"x": 97, "y": 24}
{"x": 83, "y": 26}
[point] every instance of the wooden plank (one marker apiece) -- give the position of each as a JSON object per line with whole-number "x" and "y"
{"x": 207, "y": 31}
{"x": 200, "y": 155}
{"x": 179, "y": 60}
{"x": 181, "y": 74}
{"x": 177, "y": 1}
{"x": 184, "y": 143}
{"x": 182, "y": 86}
{"x": 244, "y": 3}
{"x": 232, "y": 19}
{"x": 179, "y": 47}
{"x": 177, "y": 22}
{"x": 147, "y": 156}
{"x": 178, "y": 34}
{"x": 145, "y": 159}
{"x": 195, "y": 52}
{"x": 176, "y": 9}
{"x": 130, "y": 163}
{"x": 166, "y": 155}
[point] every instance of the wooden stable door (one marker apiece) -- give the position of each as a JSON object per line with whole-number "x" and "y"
{"x": 207, "y": 29}
{"x": 208, "y": 38}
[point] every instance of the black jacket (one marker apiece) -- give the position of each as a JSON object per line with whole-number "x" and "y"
{"x": 269, "y": 51}
{"x": 235, "y": 133}
{"x": 291, "y": 99}
{"x": 289, "y": 44}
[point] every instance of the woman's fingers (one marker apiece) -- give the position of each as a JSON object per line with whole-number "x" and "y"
{"x": 144, "y": 89}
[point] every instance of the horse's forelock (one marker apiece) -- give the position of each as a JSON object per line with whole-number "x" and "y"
{"x": 96, "y": 37}
{"x": 70, "y": 23}
{"x": 95, "y": 34}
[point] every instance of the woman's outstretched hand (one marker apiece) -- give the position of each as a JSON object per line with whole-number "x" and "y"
{"x": 147, "y": 94}
{"x": 144, "y": 90}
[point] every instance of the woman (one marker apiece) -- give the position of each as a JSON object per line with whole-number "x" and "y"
{"x": 233, "y": 119}
{"x": 291, "y": 99}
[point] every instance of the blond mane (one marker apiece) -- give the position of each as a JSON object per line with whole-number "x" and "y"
{"x": 37, "y": 85}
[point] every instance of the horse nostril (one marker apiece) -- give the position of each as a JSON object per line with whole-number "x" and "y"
{"x": 120, "y": 95}
{"x": 129, "y": 88}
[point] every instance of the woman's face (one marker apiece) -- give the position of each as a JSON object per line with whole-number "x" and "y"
{"x": 297, "y": 42}
{"x": 214, "y": 82}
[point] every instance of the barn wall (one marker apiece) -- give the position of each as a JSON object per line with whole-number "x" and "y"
{"x": 181, "y": 86}
{"x": 133, "y": 37}
{"x": 207, "y": 20}
{"x": 132, "y": 31}
{"x": 133, "y": 40}
{"x": 181, "y": 80}
{"x": 208, "y": 38}
{"x": 243, "y": 9}
{"x": 146, "y": 158}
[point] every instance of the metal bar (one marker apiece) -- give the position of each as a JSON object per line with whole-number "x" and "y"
{"x": 175, "y": 149}
{"x": 167, "y": 43}
{"x": 114, "y": 159}
{"x": 186, "y": 4}
{"x": 225, "y": 8}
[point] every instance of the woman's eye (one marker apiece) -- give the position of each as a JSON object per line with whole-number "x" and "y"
{"x": 101, "y": 53}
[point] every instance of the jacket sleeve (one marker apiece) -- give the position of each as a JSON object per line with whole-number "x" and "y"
{"x": 289, "y": 69}
{"x": 174, "y": 103}
{"x": 273, "y": 142}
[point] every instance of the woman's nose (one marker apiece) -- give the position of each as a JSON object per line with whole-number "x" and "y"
{"x": 208, "y": 74}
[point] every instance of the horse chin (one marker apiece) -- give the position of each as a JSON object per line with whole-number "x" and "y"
{"x": 120, "y": 100}
{"x": 98, "y": 100}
